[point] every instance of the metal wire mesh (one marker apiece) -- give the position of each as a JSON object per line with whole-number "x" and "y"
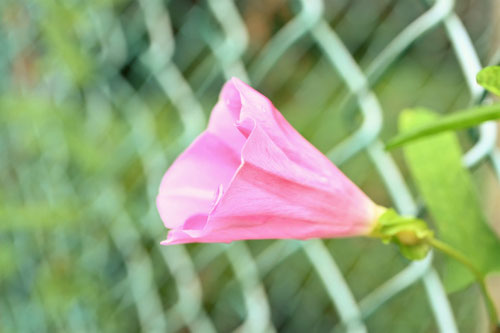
{"x": 98, "y": 99}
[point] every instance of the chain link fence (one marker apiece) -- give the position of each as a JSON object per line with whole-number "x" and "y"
{"x": 99, "y": 97}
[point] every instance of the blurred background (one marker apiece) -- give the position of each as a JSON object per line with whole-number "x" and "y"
{"x": 98, "y": 97}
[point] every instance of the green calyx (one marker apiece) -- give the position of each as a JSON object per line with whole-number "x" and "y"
{"x": 410, "y": 234}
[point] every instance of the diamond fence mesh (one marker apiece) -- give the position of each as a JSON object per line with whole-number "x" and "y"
{"x": 99, "y": 97}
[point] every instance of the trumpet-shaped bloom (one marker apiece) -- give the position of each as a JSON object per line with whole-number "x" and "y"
{"x": 251, "y": 175}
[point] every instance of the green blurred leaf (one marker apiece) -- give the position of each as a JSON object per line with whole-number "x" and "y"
{"x": 36, "y": 216}
{"x": 59, "y": 28}
{"x": 489, "y": 78}
{"x": 462, "y": 119}
{"x": 447, "y": 188}
{"x": 7, "y": 261}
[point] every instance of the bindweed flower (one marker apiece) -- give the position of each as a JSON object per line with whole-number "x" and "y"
{"x": 251, "y": 175}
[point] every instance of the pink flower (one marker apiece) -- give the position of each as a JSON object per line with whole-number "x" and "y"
{"x": 251, "y": 175}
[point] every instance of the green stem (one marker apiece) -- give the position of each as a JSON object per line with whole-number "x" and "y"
{"x": 445, "y": 248}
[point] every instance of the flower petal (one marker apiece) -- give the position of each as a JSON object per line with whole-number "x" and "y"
{"x": 190, "y": 185}
{"x": 272, "y": 197}
{"x": 256, "y": 106}
{"x": 222, "y": 125}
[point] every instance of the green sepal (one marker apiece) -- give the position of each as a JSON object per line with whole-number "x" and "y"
{"x": 408, "y": 233}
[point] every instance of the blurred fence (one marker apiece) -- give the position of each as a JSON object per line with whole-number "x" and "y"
{"x": 98, "y": 97}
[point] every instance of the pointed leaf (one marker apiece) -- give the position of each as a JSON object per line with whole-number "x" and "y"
{"x": 449, "y": 193}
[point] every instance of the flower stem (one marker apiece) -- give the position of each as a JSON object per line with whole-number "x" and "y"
{"x": 447, "y": 249}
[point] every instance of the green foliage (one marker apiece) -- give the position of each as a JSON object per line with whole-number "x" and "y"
{"x": 59, "y": 26}
{"x": 36, "y": 216}
{"x": 7, "y": 261}
{"x": 455, "y": 121}
{"x": 489, "y": 78}
{"x": 447, "y": 189}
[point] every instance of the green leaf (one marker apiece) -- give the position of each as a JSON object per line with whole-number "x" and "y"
{"x": 489, "y": 78}
{"x": 459, "y": 120}
{"x": 449, "y": 193}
